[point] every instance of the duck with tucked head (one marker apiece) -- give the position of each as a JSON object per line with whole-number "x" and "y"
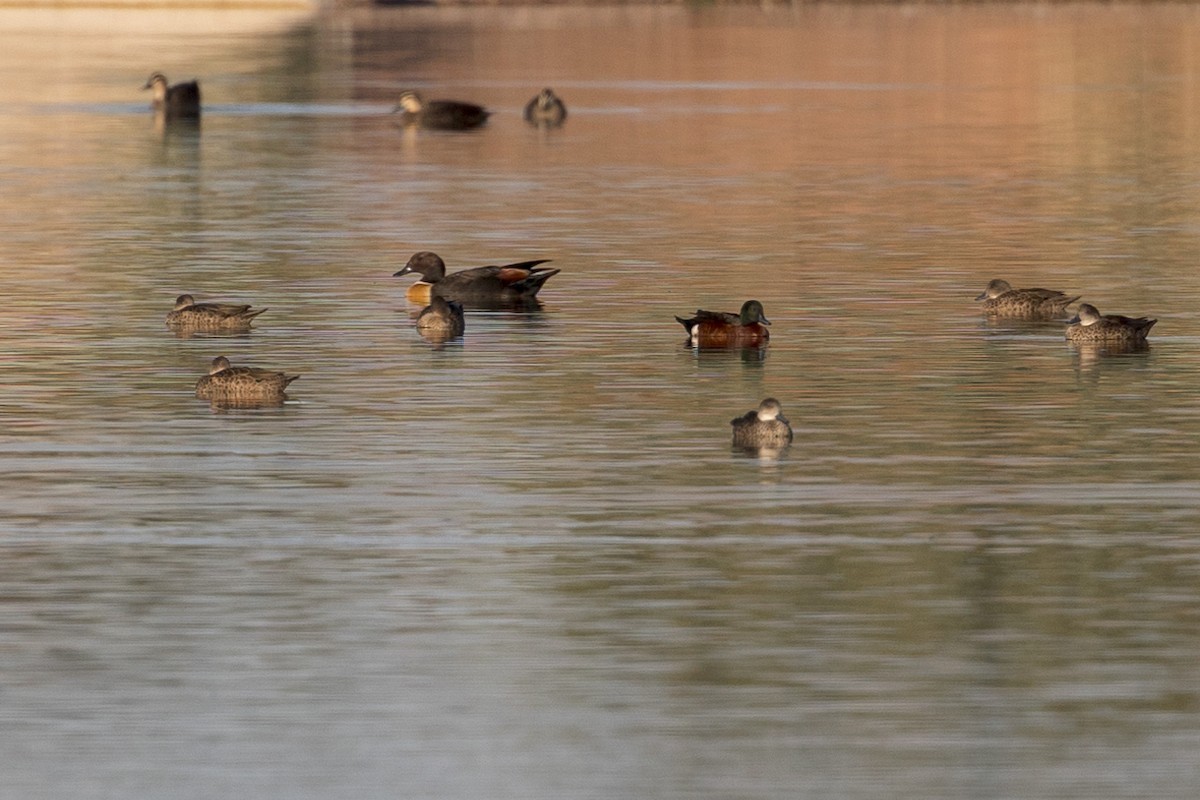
{"x": 1089, "y": 325}
{"x": 765, "y": 427}
{"x": 1001, "y": 300}
{"x": 193, "y": 316}
{"x": 480, "y": 286}
{"x": 546, "y": 109}
{"x": 248, "y": 385}
{"x": 441, "y": 320}
{"x": 446, "y": 115}
{"x": 747, "y": 328}
{"x": 179, "y": 101}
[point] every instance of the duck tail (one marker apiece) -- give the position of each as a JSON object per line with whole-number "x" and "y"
{"x": 532, "y": 284}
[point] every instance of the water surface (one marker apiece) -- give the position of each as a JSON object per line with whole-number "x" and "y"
{"x": 528, "y": 564}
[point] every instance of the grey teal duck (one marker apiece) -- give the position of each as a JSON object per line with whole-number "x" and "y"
{"x": 765, "y": 427}
{"x": 193, "y": 316}
{"x": 1001, "y": 300}
{"x": 546, "y": 109}
{"x": 247, "y": 385}
{"x": 441, "y": 320}
{"x": 1089, "y": 325}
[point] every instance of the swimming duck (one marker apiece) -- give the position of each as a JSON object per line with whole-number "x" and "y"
{"x": 480, "y": 285}
{"x": 446, "y": 115}
{"x": 765, "y": 427}
{"x": 441, "y": 320}
{"x": 546, "y": 108}
{"x": 1000, "y": 299}
{"x": 195, "y": 316}
{"x": 225, "y": 382}
{"x": 1089, "y": 325}
{"x": 721, "y": 329}
{"x": 180, "y": 100}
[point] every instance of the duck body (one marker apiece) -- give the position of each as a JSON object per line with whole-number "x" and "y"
{"x": 445, "y": 115}
{"x": 442, "y": 319}
{"x": 764, "y": 427}
{"x": 1001, "y": 300}
{"x": 546, "y": 109}
{"x": 248, "y": 385}
{"x": 190, "y": 315}
{"x": 509, "y": 284}
{"x": 748, "y": 328}
{"x": 1089, "y": 325}
{"x": 181, "y": 101}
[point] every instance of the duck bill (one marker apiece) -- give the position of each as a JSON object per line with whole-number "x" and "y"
{"x": 404, "y": 271}
{"x": 763, "y": 320}
{"x": 1073, "y": 320}
{"x": 982, "y": 296}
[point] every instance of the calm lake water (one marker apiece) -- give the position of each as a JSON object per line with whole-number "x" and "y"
{"x": 528, "y": 564}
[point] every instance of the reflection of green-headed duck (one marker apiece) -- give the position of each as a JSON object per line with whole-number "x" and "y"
{"x": 1089, "y": 325}
{"x": 446, "y": 115}
{"x": 721, "y": 329}
{"x": 442, "y": 319}
{"x": 481, "y": 285}
{"x": 180, "y": 100}
{"x": 1001, "y": 300}
{"x": 766, "y": 427}
{"x": 190, "y": 315}
{"x": 242, "y": 384}
{"x": 546, "y": 108}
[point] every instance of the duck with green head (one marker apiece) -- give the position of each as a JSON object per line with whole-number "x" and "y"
{"x": 747, "y": 328}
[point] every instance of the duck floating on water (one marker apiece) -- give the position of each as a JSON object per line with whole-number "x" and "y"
{"x": 748, "y": 328}
{"x": 1001, "y": 300}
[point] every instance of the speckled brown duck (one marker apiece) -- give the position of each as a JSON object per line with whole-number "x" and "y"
{"x": 1089, "y": 325}
{"x": 546, "y": 109}
{"x": 189, "y": 315}
{"x": 765, "y": 427}
{"x": 747, "y": 328}
{"x": 441, "y": 320}
{"x": 445, "y": 115}
{"x": 1001, "y": 300}
{"x": 181, "y": 101}
{"x": 242, "y": 385}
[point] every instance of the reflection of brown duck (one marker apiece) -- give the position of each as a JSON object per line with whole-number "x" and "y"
{"x": 242, "y": 385}
{"x": 190, "y": 315}
{"x": 441, "y": 320}
{"x": 721, "y": 329}
{"x": 446, "y": 115}
{"x": 1000, "y": 299}
{"x": 1089, "y": 325}
{"x": 765, "y": 427}
{"x": 179, "y": 101}
{"x": 507, "y": 285}
{"x": 546, "y": 109}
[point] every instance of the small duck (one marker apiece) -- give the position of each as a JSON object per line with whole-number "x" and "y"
{"x": 512, "y": 283}
{"x": 546, "y": 109}
{"x": 1001, "y": 300}
{"x": 441, "y": 320}
{"x": 721, "y": 329}
{"x": 190, "y": 315}
{"x": 1089, "y": 325}
{"x": 765, "y": 427}
{"x": 179, "y": 101}
{"x": 225, "y": 382}
{"x": 446, "y": 115}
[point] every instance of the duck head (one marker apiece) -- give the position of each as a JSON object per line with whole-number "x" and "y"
{"x": 995, "y": 289}
{"x": 428, "y": 265}
{"x": 752, "y": 312}
{"x": 1088, "y": 315}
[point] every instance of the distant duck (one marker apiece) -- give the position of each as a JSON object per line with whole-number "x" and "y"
{"x": 765, "y": 427}
{"x": 721, "y": 329}
{"x": 546, "y": 108}
{"x": 511, "y": 283}
{"x": 243, "y": 385}
{"x": 446, "y": 115}
{"x": 1089, "y": 325}
{"x": 1001, "y": 300}
{"x": 190, "y": 315}
{"x": 441, "y": 320}
{"x": 179, "y": 101}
